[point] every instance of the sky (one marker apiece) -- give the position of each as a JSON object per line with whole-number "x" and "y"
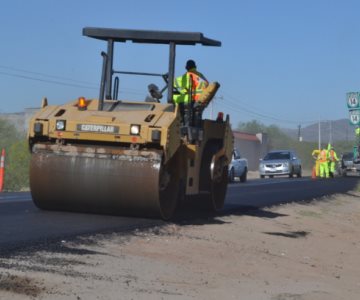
{"x": 282, "y": 62}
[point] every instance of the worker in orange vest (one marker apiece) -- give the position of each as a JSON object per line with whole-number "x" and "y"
{"x": 189, "y": 88}
{"x": 316, "y": 155}
{"x": 192, "y": 82}
{"x": 333, "y": 159}
{"x": 324, "y": 163}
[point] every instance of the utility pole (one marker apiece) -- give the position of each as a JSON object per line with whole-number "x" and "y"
{"x": 330, "y": 133}
{"x": 319, "y": 135}
{"x": 347, "y": 133}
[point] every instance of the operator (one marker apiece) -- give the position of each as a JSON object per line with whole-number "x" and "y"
{"x": 333, "y": 159}
{"x": 192, "y": 83}
{"x": 316, "y": 155}
{"x": 324, "y": 163}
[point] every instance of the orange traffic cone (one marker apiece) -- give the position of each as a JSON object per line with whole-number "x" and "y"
{"x": 313, "y": 173}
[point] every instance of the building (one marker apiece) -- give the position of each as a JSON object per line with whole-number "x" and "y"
{"x": 251, "y": 146}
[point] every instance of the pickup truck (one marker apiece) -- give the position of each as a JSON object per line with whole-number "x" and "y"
{"x": 238, "y": 167}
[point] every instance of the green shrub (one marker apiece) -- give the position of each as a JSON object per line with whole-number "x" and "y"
{"x": 17, "y": 166}
{"x": 17, "y": 157}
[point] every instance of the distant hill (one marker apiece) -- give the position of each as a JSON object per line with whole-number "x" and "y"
{"x": 339, "y": 130}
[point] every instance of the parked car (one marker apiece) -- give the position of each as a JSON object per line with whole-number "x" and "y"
{"x": 238, "y": 167}
{"x": 346, "y": 163}
{"x": 280, "y": 162}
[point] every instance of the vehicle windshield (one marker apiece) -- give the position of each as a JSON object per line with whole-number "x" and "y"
{"x": 277, "y": 155}
{"x": 348, "y": 156}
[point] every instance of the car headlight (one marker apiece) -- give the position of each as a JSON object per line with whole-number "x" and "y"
{"x": 286, "y": 164}
{"x": 60, "y": 125}
{"x": 135, "y": 129}
{"x": 261, "y": 166}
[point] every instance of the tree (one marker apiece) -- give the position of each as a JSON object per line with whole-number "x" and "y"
{"x": 251, "y": 127}
{"x": 8, "y": 134}
{"x": 277, "y": 139}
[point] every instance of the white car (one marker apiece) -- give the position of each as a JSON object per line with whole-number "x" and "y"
{"x": 238, "y": 167}
{"x": 280, "y": 162}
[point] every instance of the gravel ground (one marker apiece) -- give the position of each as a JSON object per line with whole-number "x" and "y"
{"x": 300, "y": 251}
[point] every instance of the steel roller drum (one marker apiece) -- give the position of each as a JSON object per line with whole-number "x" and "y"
{"x": 102, "y": 180}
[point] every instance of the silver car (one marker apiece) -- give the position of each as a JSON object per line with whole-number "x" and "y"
{"x": 280, "y": 162}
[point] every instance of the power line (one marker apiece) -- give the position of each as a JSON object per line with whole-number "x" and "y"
{"x": 256, "y": 114}
{"x": 87, "y": 83}
{"x": 264, "y": 115}
{"x": 92, "y": 87}
{"x": 45, "y": 75}
{"x": 234, "y": 104}
{"x": 48, "y": 81}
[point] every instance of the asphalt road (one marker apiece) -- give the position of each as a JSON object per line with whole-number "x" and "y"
{"x": 22, "y": 224}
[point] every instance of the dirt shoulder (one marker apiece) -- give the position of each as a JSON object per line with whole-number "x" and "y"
{"x": 307, "y": 251}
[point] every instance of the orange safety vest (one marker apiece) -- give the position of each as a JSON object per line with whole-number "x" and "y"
{"x": 191, "y": 79}
{"x": 323, "y": 156}
{"x": 333, "y": 156}
{"x": 197, "y": 84}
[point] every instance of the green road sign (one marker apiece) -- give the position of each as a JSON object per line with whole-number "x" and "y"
{"x": 353, "y": 100}
{"x": 354, "y": 116}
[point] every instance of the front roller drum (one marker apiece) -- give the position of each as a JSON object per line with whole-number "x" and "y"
{"x": 135, "y": 183}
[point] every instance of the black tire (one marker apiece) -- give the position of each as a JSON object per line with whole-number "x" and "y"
{"x": 299, "y": 174}
{"x": 231, "y": 175}
{"x": 243, "y": 177}
{"x": 214, "y": 201}
{"x": 291, "y": 175}
{"x": 271, "y": 176}
{"x": 262, "y": 176}
{"x": 340, "y": 172}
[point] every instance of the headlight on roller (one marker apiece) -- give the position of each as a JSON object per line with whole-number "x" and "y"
{"x": 60, "y": 125}
{"x": 135, "y": 129}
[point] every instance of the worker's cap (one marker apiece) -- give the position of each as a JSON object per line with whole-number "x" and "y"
{"x": 190, "y": 64}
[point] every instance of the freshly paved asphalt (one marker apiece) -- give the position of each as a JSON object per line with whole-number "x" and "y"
{"x": 22, "y": 224}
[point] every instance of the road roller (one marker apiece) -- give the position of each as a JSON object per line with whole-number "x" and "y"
{"x": 124, "y": 157}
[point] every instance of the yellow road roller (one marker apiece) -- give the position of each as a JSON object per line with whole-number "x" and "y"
{"x": 122, "y": 157}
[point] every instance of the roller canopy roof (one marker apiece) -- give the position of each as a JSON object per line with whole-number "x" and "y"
{"x": 150, "y": 36}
